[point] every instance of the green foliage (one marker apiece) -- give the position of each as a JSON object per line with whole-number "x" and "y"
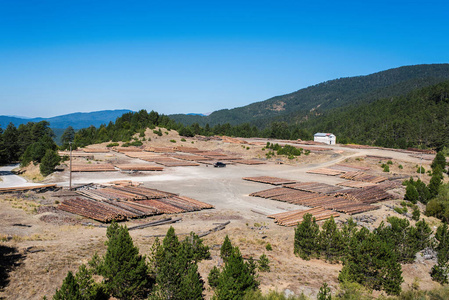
{"x": 439, "y": 206}
{"x": 125, "y": 272}
{"x": 324, "y": 293}
{"x": 416, "y": 191}
{"x": 271, "y": 295}
{"x": 172, "y": 141}
{"x": 288, "y": 150}
{"x": 416, "y": 214}
{"x": 175, "y": 267}
{"x": 306, "y": 242}
{"x": 421, "y": 170}
{"x": 372, "y": 263}
{"x": 49, "y": 162}
{"x": 439, "y": 160}
{"x": 134, "y": 143}
{"x": 268, "y": 247}
{"x": 213, "y": 277}
{"x": 264, "y": 263}
{"x": 236, "y": 278}
{"x": 400, "y": 167}
{"x": 68, "y": 136}
{"x": 331, "y": 241}
{"x": 386, "y": 168}
{"x": 37, "y": 150}
{"x": 440, "y": 271}
{"x": 226, "y": 249}
{"x": 389, "y": 162}
{"x": 112, "y": 145}
{"x": 69, "y": 290}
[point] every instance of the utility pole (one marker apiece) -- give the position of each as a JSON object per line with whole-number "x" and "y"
{"x": 70, "y": 173}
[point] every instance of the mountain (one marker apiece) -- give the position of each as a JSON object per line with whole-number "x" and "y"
{"x": 314, "y": 100}
{"x": 76, "y": 120}
{"x": 420, "y": 118}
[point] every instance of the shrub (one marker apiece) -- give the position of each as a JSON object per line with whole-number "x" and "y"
{"x": 264, "y": 263}
{"x": 421, "y": 170}
{"x": 172, "y": 141}
{"x": 386, "y": 168}
{"x": 112, "y": 145}
{"x": 268, "y": 247}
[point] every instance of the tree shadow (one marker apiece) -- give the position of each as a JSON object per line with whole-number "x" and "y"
{"x": 10, "y": 258}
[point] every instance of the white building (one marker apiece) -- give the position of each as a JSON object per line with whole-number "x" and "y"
{"x": 326, "y": 138}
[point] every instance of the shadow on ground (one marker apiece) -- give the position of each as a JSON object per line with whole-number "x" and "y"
{"x": 10, "y": 258}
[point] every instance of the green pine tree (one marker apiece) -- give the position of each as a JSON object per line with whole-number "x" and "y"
{"x": 69, "y": 290}
{"x": 306, "y": 242}
{"x": 226, "y": 249}
{"x": 124, "y": 270}
{"x": 236, "y": 279}
{"x": 440, "y": 271}
{"x": 331, "y": 242}
{"x": 411, "y": 193}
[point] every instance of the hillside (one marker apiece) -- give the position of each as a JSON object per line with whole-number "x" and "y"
{"x": 420, "y": 118}
{"x": 328, "y": 95}
{"x": 76, "y": 120}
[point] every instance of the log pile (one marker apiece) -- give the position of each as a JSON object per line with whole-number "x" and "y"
{"x": 326, "y": 171}
{"x": 356, "y": 184}
{"x": 121, "y": 203}
{"x": 36, "y": 188}
{"x": 314, "y": 187}
{"x": 293, "y": 218}
{"x": 346, "y": 205}
{"x": 269, "y": 180}
{"x": 367, "y": 195}
{"x": 250, "y": 162}
{"x": 95, "y": 150}
{"x": 361, "y": 176}
{"x": 139, "y": 167}
{"x": 127, "y": 149}
{"x": 93, "y": 168}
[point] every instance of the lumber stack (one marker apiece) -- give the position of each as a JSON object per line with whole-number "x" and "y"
{"x": 293, "y": 218}
{"x": 120, "y": 203}
{"x": 356, "y": 184}
{"x": 138, "y": 167}
{"x": 361, "y": 176}
{"x": 314, "y": 187}
{"x": 269, "y": 180}
{"x": 250, "y": 162}
{"x": 326, "y": 171}
{"x": 93, "y": 168}
{"x": 37, "y": 188}
{"x": 367, "y": 195}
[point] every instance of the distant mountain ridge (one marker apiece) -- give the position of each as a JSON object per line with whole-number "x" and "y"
{"x": 77, "y": 120}
{"x": 337, "y": 93}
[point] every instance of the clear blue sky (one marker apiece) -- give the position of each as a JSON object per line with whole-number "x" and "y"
{"x": 59, "y": 57}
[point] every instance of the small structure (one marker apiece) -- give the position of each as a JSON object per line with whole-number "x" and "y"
{"x": 326, "y": 138}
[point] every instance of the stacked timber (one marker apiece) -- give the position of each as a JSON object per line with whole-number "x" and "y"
{"x": 314, "y": 187}
{"x": 293, "y": 218}
{"x": 367, "y": 195}
{"x": 361, "y": 176}
{"x": 269, "y": 180}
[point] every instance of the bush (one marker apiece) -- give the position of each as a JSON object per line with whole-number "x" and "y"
{"x": 268, "y": 247}
{"x": 112, "y": 145}
{"x": 421, "y": 170}
{"x": 400, "y": 167}
{"x": 264, "y": 263}
{"x": 172, "y": 141}
{"x": 386, "y": 168}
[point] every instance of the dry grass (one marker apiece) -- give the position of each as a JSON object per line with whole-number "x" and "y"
{"x": 32, "y": 173}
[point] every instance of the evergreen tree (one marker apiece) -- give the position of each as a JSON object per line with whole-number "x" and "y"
{"x": 176, "y": 269}
{"x": 307, "y": 237}
{"x": 440, "y": 271}
{"x": 68, "y": 136}
{"x": 226, "y": 249}
{"x": 435, "y": 181}
{"x": 89, "y": 290}
{"x": 439, "y": 160}
{"x": 324, "y": 293}
{"x": 214, "y": 276}
{"x": 124, "y": 270}
{"x": 372, "y": 263}
{"x": 264, "y": 263}
{"x": 10, "y": 142}
{"x": 411, "y": 194}
{"x": 69, "y": 290}
{"x": 331, "y": 242}
{"x": 49, "y": 162}
{"x": 236, "y": 278}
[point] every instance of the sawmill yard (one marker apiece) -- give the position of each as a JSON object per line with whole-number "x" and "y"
{"x": 51, "y": 231}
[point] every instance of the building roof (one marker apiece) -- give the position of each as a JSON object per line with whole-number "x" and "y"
{"x": 321, "y": 134}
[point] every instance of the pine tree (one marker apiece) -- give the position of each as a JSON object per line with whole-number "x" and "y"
{"x": 331, "y": 242}
{"x": 87, "y": 287}
{"x": 226, "y": 249}
{"x": 69, "y": 290}
{"x": 411, "y": 194}
{"x": 214, "y": 276}
{"x": 440, "y": 271}
{"x": 49, "y": 162}
{"x": 439, "y": 160}
{"x": 176, "y": 269}
{"x": 307, "y": 238}
{"x": 124, "y": 270}
{"x": 324, "y": 293}
{"x": 236, "y": 278}
{"x": 264, "y": 263}
{"x": 435, "y": 181}
{"x": 372, "y": 263}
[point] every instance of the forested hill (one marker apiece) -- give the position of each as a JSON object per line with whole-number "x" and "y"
{"x": 76, "y": 120}
{"x": 420, "y": 118}
{"x": 327, "y": 95}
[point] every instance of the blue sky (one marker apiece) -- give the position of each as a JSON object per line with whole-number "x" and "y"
{"x": 59, "y": 57}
